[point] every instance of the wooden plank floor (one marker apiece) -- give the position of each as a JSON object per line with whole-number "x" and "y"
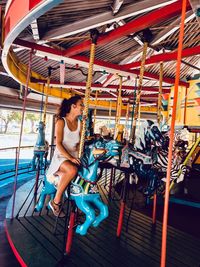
{"x": 138, "y": 246}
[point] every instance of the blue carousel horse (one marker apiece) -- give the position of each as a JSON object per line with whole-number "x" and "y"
{"x": 84, "y": 190}
{"x": 40, "y": 149}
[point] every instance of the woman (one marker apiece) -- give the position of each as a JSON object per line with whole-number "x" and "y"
{"x": 63, "y": 167}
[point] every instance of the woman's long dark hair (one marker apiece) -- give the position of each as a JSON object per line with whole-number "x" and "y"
{"x": 65, "y": 106}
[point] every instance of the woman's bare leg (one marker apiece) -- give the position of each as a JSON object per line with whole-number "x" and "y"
{"x": 67, "y": 172}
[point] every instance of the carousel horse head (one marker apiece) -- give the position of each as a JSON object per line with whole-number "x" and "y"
{"x": 94, "y": 152}
{"x": 154, "y": 132}
{"x": 111, "y": 148}
{"x": 148, "y": 133}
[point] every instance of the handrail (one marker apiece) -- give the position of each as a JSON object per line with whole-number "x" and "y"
{"x": 14, "y": 147}
{"x": 25, "y": 166}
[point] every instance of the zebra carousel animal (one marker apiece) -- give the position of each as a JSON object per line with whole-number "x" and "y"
{"x": 41, "y": 148}
{"x": 83, "y": 189}
{"x": 141, "y": 157}
{"x": 160, "y": 160}
{"x": 148, "y": 158}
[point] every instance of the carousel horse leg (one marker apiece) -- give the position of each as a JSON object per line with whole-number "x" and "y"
{"x": 103, "y": 214}
{"x": 48, "y": 189}
{"x": 89, "y": 212}
{"x": 153, "y": 181}
{"x": 45, "y": 161}
{"x": 41, "y": 159}
{"x": 33, "y": 165}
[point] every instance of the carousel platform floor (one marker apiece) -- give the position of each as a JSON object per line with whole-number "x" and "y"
{"x": 31, "y": 236}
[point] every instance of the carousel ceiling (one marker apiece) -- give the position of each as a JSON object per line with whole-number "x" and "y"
{"x": 59, "y": 37}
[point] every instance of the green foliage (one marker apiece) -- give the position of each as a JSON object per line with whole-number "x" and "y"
{"x": 9, "y": 116}
{"x": 16, "y": 116}
{"x": 32, "y": 117}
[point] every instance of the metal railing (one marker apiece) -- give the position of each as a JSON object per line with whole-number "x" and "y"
{"x": 24, "y": 166}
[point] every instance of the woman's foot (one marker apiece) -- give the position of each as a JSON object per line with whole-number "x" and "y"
{"x": 57, "y": 209}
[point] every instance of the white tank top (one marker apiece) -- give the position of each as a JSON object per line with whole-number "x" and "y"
{"x": 70, "y": 139}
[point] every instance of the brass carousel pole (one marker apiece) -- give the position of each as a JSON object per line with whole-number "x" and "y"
{"x": 95, "y": 110}
{"x": 139, "y": 91}
{"x": 94, "y": 37}
{"x": 160, "y": 94}
{"x": 119, "y": 106}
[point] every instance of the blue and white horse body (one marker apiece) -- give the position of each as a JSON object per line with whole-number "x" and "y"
{"x": 83, "y": 188}
{"x": 41, "y": 148}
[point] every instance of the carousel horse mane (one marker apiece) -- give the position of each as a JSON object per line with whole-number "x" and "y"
{"x": 140, "y": 136}
{"x": 147, "y": 131}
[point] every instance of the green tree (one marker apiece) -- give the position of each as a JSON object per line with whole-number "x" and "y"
{"x": 32, "y": 117}
{"x": 8, "y": 116}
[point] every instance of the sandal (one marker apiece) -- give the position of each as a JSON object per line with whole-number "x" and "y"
{"x": 57, "y": 209}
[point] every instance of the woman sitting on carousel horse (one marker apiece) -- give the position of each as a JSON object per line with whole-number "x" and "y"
{"x": 65, "y": 161}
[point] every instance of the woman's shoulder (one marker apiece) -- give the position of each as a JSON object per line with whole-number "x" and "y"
{"x": 60, "y": 122}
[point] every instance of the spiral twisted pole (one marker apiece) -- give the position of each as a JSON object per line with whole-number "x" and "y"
{"x": 95, "y": 109}
{"x": 160, "y": 94}
{"x": 94, "y": 37}
{"x": 119, "y": 105}
{"x": 139, "y": 91}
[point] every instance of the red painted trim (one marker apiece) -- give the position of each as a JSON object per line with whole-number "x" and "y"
{"x": 122, "y": 68}
{"x": 100, "y": 86}
{"x": 70, "y": 232}
{"x": 38, "y": 47}
{"x": 33, "y": 3}
{"x": 165, "y": 57}
{"x": 96, "y": 62}
{"x": 17, "y": 10}
{"x": 153, "y": 96}
{"x": 17, "y": 255}
{"x": 120, "y": 220}
{"x": 143, "y": 22}
{"x": 198, "y": 100}
{"x": 108, "y": 78}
